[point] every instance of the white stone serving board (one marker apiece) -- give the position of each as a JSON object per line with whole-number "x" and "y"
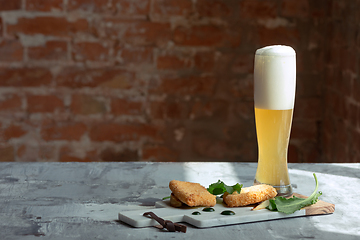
{"x": 206, "y": 219}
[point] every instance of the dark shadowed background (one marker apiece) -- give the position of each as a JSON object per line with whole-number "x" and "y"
{"x": 171, "y": 80}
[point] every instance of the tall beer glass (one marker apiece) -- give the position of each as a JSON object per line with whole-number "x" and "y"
{"x": 274, "y": 97}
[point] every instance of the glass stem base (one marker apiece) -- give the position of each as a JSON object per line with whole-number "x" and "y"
{"x": 283, "y": 190}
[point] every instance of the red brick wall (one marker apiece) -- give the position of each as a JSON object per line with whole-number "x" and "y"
{"x": 171, "y": 80}
{"x": 341, "y": 134}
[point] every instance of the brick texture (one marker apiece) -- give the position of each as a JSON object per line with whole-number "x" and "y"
{"x": 171, "y": 80}
{"x": 341, "y": 119}
{"x": 10, "y": 5}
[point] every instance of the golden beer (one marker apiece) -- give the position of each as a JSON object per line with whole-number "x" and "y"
{"x": 273, "y": 133}
{"x": 274, "y": 97}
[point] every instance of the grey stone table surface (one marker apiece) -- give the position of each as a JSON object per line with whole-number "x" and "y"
{"x": 82, "y": 200}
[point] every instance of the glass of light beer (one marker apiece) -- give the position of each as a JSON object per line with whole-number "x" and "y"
{"x": 274, "y": 97}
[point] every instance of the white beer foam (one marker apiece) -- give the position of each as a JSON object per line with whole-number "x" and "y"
{"x": 275, "y": 77}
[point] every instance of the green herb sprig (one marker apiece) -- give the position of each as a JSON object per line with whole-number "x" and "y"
{"x": 220, "y": 187}
{"x": 291, "y": 205}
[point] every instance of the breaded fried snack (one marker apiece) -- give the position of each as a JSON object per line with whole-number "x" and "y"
{"x": 249, "y": 195}
{"x": 192, "y": 194}
{"x": 174, "y": 201}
